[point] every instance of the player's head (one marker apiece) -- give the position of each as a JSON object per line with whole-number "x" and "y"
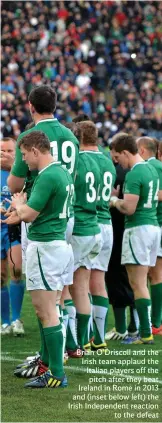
{"x": 33, "y": 146}
{"x": 89, "y": 133}
{"x": 42, "y": 100}
{"x": 80, "y": 118}
{"x": 74, "y": 129}
{"x": 160, "y": 151}
{"x": 8, "y": 145}
{"x": 147, "y": 147}
{"x": 123, "y": 148}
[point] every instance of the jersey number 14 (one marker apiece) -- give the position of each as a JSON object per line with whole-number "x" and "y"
{"x": 150, "y": 198}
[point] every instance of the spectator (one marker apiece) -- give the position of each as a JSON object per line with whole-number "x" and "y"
{"x": 103, "y": 58}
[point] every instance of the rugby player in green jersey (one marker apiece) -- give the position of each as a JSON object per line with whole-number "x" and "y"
{"x": 100, "y": 264}
{"x": 147, "y": 148}
{"x": 64, "y": 145}
{"x": 86, "y": 238}
{"x": 142, "y": 233}
{"x": 47, "y": 209}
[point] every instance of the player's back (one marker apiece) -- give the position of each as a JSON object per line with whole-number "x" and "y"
{"x": 158, "y": 166}
{"x": 144, "y": 179}
{"x": 107, "y": 180}
{"x": 55, "y": 185}
{"x": 64, "y": 148}
{"x": 86, "y": 189}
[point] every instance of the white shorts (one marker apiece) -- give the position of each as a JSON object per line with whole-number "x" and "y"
{"x": 49, "y": 265}
{"x": 140, "y": 245}
{"x": 159, "y": 254}
{"x": 24, "y": 243}
{"x": 69, "y": 229}
{"x": 102, "y": 260}
{"x": 85, "y": 249}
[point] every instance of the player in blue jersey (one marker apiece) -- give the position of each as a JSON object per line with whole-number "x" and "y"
{"x": 10, "y": 253}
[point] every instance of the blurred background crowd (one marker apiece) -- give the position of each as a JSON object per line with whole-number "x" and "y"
{"x": 103, "y": 57}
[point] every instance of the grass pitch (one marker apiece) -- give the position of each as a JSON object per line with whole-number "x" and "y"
{"x": 125, "y": 385}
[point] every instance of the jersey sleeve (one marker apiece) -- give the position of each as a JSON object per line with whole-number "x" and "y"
{"x": 132, "y": 183}
{"x": 19, "y": 168}
{"x": 41, "y": 193}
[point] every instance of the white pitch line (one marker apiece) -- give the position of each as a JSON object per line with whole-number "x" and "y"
{"x": 84, "y": 370}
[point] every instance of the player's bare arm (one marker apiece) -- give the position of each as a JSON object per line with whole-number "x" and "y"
{"x": 127, "y": 205}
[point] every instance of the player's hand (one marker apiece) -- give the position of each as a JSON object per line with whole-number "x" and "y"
{"x": 2, "y": 210}
{"x": 7, "y": 160}
{"x": 113, "y": 201}
{"x": 115, "y": 191}
{"x": 17, "y": 199}
{"x": 12, "y": 219}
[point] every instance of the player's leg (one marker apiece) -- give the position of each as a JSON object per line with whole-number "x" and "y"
{"x": 71, "y": 339}
{"x": 155, "y": 275}
{"x": 85, "y": 250}
{"x": 133, "y": 327}
{"x": 17, "y": 286}
{"x": 100, "y": 305}
{"x": 44, "y": 280}
{"x": 138, "y": 280}
{"x": 138, "y": 253}
{"x": 79, "y": 291}
{"x": 5, "y": 302}
{"x": 68, "y": 307}
{"x": 98, "y": 288}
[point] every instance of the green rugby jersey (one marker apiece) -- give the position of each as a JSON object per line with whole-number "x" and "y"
{"x": 51, "y": 195}
{"x": 64, "y": 148}
{"x": 107, "y": 180}
{"x": 86, "y": 191}
{"x": 143, "y": 180}
{"x": 158, "y": 166}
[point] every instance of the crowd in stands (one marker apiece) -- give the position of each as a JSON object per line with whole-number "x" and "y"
{"x": 104, "y": 58}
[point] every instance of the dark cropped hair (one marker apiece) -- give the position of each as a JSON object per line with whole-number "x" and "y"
{"x": 37, "y": 139}
{"x": 123, "y": 141}
{"x": 43, "y": 99}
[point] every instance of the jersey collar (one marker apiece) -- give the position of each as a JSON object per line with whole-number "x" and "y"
{"x": 151, "y": 158}
{"x": 139, "y": 163}
{"x": 53, "y": 163}
{"x": 46, "y": 120}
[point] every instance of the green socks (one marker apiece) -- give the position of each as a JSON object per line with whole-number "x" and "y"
{"x": 134, "y": 320}
{"x": 143, "y": 307}
{"x": 156, "y": 298}
{"x": 65, "y": 317}
{"x": 89, "y": 331}
{"x": 82, "y": 323}
{"x": 120, "y": 319}
{"x": 43, "y": 350}
{"x": 71, "y": 338}
{"x": 100, "y": 314}
{"x": 54, "y": 343}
